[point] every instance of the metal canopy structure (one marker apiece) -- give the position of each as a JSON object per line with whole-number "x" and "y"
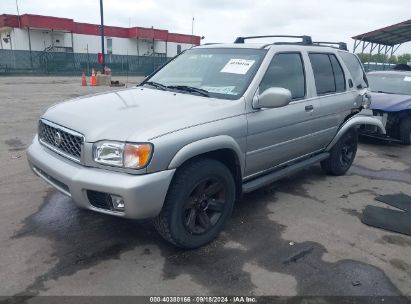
{"x": 386, "y": 40}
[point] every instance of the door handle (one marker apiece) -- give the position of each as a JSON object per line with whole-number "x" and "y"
{"x": 309, "y": 108}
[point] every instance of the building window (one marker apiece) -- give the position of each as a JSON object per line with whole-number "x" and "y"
{"x": 109, "y": 46}
{"x": 178, "y": 48}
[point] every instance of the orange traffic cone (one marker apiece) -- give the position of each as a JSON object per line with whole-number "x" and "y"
{"x": 83, "y": 80}
{"x": 93, "y": 78}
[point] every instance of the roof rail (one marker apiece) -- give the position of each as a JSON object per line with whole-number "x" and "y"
{"x": 304, "y": 39}
{"x": 341, "y": 45}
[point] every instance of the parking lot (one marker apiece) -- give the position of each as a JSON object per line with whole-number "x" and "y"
{"x": 300, "y": 236}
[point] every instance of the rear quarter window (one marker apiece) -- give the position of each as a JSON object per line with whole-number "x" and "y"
{"x": 355, "y": 68}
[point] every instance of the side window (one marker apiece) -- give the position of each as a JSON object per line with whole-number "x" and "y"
{"x": 356, "y": 70}
{"x": 285, "y": 71}
{"x": 328, "y": 74}
{"x": 338, "y": 74}
{"x": 323, "y": 73}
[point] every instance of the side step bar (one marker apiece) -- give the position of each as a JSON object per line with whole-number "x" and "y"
{"x": 277, "y": 175}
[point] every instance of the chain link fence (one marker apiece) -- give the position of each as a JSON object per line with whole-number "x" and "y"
{"x": 68, "y": 63}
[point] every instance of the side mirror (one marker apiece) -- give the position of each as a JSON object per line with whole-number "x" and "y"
{"x": 272, "y": 98}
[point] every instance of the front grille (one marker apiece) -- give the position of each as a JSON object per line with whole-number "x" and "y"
{"x": 61, "y": 140}
{"x": 100, "y": 199}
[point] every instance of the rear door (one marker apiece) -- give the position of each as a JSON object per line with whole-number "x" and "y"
{"x": 334, "y": 101}
{"x": 278, "y": 135}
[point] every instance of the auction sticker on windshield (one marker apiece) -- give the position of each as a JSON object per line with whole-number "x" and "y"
{"x": 220, "y": 90}
{"x": 237, "y": 66}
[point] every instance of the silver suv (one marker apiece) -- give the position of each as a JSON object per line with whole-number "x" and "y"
{"x": 215, "y": 122}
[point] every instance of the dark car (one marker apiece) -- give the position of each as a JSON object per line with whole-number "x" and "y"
{"x": 391, "y": 101}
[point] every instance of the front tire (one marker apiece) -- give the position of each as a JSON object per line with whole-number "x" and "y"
{"x": 198, "y": 203}
{"x": 342, "y": 155}
{"x": 405, "y": 131}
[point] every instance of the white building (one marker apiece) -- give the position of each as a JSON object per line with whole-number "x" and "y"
{"x": 39, "y": 33}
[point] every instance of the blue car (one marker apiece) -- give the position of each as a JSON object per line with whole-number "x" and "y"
{"x": 391, "y": 101}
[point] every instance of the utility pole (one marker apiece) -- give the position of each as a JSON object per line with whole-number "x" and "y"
{"x": 18, "y": 13}
{"x": 192, "y": 31}
{"x": 103, "y": 63}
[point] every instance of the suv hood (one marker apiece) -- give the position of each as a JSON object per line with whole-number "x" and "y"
{"x": 139, "y": 114}
{"x": 390, "y": 102}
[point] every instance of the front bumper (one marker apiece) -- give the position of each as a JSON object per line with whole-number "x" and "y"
{"x": 143, "y": 195}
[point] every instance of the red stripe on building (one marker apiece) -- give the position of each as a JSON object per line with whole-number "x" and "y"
{"x": 65, "y": 24}
{"x": 9, "y": 20}
{"x": 46, "y": 22}
{"x": 180, "y": 38}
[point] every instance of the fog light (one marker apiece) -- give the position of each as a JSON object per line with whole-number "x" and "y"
{"x": 118, "y": 203}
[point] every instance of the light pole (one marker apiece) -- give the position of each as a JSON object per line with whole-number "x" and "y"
{"x": 192, "y": 31}
{"x": 18, "y": 13}
{"x": 103, "y": 62}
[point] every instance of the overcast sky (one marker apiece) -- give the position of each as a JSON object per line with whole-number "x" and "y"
{"x": 223, "y": 20}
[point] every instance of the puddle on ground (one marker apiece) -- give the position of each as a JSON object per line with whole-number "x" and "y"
{"x": 396, "y": 166}
{"x": 15, "y": 144}
{"x": 395, "y": 240}
{"x": 393, "y": 151}
{"x": 82, "y": 239}
{"x": 353, "y": 212}
{"x": 389, "y": 175}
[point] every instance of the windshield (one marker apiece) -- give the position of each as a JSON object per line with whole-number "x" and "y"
{"x": 223, "y": 73}
{"x": 390, "y": 83}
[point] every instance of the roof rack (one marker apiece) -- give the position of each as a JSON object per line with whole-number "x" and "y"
{"x": 341, "y": 45}
{"x": 304, "y": 39}
{"x": 212, "y": 43}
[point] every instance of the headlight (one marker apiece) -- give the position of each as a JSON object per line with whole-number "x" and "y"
{"x": 109, "y": 153}
{"x": 127, "y": 155}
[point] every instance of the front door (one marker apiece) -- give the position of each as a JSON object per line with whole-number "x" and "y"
{"x": 278, "y": 135}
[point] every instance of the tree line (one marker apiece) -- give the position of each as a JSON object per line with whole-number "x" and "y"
{"x": 365, "y": 57}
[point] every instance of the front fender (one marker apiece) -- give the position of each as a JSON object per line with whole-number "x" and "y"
{"x": 207, "y": 145}
{"x": 356, "y": 121}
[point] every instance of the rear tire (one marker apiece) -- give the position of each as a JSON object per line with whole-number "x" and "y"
{"x": 342, "y": 155}
{"x": 405, "y": 131}
{"x": 199, "y": 202}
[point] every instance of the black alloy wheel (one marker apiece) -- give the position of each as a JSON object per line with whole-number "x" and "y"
{"x": 205, "y": 206}
{"x": 199, "y": 202}
{"x": 342, "y": 154}
{"x": 348, "y": 151}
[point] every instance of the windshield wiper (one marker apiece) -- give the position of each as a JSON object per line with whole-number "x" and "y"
{"x": 202, "y": 92}
{"x": 156, "y": 85}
